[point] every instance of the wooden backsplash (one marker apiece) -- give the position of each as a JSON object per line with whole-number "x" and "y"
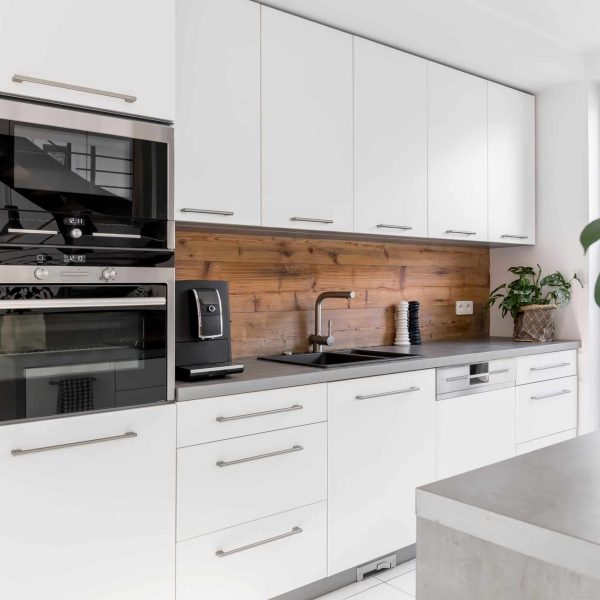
{"x": 274, "y": 282}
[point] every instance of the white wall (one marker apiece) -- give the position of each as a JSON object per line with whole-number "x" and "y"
{"x": 567, "y": 199}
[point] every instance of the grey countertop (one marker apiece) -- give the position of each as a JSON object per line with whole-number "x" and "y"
{"x": 262, "y": 375}
{"x": 556, "y": 488}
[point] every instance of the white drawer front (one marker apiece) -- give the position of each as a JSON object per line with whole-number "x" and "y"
{"x": 548, "y": 440}
{"x": 291, "y": 471}
{"x": 540, "y": 367}
{"x": 265, "y": 570}
{"x": 211, "y": 419}
{"x": 545, "y": 408}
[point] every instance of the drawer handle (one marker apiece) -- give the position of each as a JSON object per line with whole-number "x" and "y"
{"x": 498, "y": 371}
{"x": 514, "y": 237}
{"x": 129, "y": 236}
{"x": 32, "y": 231}
{"x": 401, "y": 227}
{"x": 206, "y": 211}
{"x": 70, "y": 86}
{"x": 228, "y": 463}
{"x": 561, "y": 393}
{"x": 261, "y": 414}
{"x": 112, "y": 438}
{"x": 460, "y": 232}
{"x": 310, "y": 220}
{"x": 294, "y": 531}
{"x": 557, "y": 366}
{"x": 413, "y": 388}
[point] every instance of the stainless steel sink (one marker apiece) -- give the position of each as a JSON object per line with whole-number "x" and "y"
{"x": 339, "y": 358}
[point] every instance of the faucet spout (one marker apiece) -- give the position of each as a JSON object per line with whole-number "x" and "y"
{"x": 317, "y": 339}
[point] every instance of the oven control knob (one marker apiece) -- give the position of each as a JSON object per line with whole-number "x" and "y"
{"x": 76, "y": 233}
{"x": 41, "y": 273}
{"x": 109, "y": 274}
{"x": 211, "y": 308}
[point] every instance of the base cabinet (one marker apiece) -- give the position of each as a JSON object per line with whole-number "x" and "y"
{"x": 256, "y": 560}
{"x": 381, "y": 447}
{"x": 94, "y": 521}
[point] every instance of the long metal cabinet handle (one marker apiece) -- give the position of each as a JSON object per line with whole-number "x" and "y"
{"x": 70, "y": 86}
{"x": 261, "y": 414}
{"x": 458, "y": 231}
{"x": 413, "y": 388}
{"x": 498, "y": 371}
{"x": 402, "y": 227}
{"x": 541, "y": 397}
{"x": 32, "y": 231}
{"x": 294, "y": 531}
{"x": 112, "y": 438}
{"x": 311, "y": 220}
{"x": 514, "y": 237}
{"x": 557, "y": 366}
{"x": 76, "y": 303}
{"x": 228, "y": 463}
{"x": 206, "y": 211}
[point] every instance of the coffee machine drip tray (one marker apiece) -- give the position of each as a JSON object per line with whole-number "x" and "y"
{"x": 211, "y": 371}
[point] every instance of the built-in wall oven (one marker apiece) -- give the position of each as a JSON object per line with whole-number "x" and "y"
{"x": 81, "y": 179}
{"x": 86, "y": 262}
{"x": 84, "y": 339}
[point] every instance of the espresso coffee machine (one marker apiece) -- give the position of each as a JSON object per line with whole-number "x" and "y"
{"x": 202, "y": 331}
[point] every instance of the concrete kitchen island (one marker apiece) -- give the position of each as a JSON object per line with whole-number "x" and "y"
{"x": 527, "y": 528}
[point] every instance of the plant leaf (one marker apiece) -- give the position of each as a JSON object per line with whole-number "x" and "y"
{"x": 590, "y": 234}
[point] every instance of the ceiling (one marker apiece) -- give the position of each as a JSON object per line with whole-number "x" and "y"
{"x": 529, "y": 44}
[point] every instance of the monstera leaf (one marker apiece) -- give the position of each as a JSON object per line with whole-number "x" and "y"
{"x": 589, "y": 236}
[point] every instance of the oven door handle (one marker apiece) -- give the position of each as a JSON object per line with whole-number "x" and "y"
{"x": 80, "y": 303}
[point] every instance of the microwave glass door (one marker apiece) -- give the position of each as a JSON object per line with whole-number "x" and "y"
{"x": 72, "y": 349}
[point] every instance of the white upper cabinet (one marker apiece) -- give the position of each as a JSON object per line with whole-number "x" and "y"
{"x": 390, "y": 141}
{"x": 511, "y": 165}
{"x": 306, "y": 124}
{"x": 217, "y": 131}
{"x": 123, "y": 48}
{"x": 457, "y": 155}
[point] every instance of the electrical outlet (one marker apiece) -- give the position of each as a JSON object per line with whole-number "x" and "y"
{"x": 464, "y": 307}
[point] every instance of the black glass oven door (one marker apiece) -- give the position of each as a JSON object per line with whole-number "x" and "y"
{"x": 61, "y": 186}
{"x": 75, "y": 349}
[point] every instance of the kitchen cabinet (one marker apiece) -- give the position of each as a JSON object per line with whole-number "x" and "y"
{"x": 458, "y": 194}
{"x": 474, "y": 430}
{"x": 256, "y": 560}
{"x": 226, "y": 483}
{"x": 511, "y": 165}
{"x": 123, "y": 48}
{"x": 550, "y": 365}
{"x": 89, "y": 521}
{"x": 307, "y": 172}
{"x": 544, "y": 442}
{"x": 217, "y": 137}
{"x": 390, "y": 141}
{"x": 381, "y": 447}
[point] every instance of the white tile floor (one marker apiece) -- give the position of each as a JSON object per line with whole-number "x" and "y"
{"x": 394, "y": 584}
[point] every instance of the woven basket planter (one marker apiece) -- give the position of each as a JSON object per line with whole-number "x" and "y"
{"x": 535, "y": 323}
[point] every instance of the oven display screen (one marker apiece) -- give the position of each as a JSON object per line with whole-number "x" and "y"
{"x": 70, "y": 259}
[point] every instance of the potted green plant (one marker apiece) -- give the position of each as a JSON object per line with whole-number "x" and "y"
{"x": 531, "y": 300}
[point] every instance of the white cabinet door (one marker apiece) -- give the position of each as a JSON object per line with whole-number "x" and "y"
{"x": 457, "y": 155}
{"x": 381, "y": 447}
{"x": 257, "y": 560}
{"x": 306, "y": 124}
{"x": 89, "y": 521}
{"x": 511, "y": 165}
{"x": 474, "y": 431}
{"x": 115, "y": 46}
{"x": 390, "y": 141}
{"x": 217, "y": 133}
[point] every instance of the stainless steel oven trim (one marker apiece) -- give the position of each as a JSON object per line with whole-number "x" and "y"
{"x": 73, "y": 118}
{"x": 22, "y": 275}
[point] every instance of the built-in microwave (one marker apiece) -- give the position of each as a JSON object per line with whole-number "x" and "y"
{"x": 79, "y": 179}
